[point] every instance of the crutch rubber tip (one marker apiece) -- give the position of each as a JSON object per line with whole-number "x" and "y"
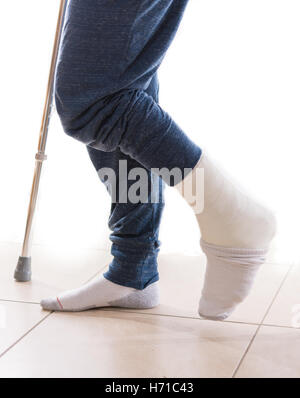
{"x": 23, "y": 270}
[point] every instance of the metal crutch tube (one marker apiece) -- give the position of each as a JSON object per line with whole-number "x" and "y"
{"x": 23, "y": 269}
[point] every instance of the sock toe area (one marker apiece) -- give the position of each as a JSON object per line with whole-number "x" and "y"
{"x": 212, "y": 311}
{"x": 213, "y": 318}
{"x": 50, "y": 304}
{"x": 230, "y": 275}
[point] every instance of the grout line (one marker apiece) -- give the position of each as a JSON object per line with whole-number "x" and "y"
{"x": 261, "y": 323}
{"x": 270, "y": 325}
{"x": 121, "y": 310}
{"x": 94, "y": 275}
{"x": 246, "y": 352}
{"x": 37, "y": 303}
{"x": 277, "y": 292}
{"x": 19, "y": 301}
{"x": 139, "y": 312}
{"x": 24, "y": 335}
{"x": 112, "y": 309}
{"x": 127, "y": 311}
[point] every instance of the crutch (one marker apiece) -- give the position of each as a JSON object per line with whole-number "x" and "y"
{"x": 23, "y": 269}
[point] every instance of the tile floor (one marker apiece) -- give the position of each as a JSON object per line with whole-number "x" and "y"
{"x": 262, "y": 338}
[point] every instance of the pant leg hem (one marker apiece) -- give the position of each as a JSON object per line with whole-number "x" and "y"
{"x": 138, "y": 285}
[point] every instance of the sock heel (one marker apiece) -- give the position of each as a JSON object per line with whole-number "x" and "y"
{"x": 140, "y": 299}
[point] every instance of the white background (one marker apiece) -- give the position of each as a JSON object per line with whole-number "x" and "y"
{"x": 231, "y": 80}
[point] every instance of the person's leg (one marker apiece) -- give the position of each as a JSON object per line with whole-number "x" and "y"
{"x": 134, "y": 226}
{"x": 236, "y": 231}
{"x": 132, "y": 278}
{"x": 102, "y": 75}
{"x": 110, "y": 52}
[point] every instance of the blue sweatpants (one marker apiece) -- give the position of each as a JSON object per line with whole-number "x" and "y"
{"x": 106, "y": 94}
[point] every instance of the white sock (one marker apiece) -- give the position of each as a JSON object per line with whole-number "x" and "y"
{"x": 236, "y": 232}
{"x": 100, "y": 292}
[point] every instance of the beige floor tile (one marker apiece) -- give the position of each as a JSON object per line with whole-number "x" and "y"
{"x": 274, "y": 353}
{"x": 16, "y": 319}
{"x": 110, "y": 344}
{"x": 285, "y": 310}
{"x": 268, "y": 281}
{"x": 182, "y": 278}
{"x": 54, "y": 269}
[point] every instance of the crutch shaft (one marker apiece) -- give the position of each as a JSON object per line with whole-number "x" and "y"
{"x": 23, "y": 270}
{"x": 31, "y": 210}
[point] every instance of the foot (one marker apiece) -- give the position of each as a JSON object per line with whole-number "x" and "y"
{"x": 230, "y": 275}
{"x": 236, "y": 232}
{"x": 100, "y": 292}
